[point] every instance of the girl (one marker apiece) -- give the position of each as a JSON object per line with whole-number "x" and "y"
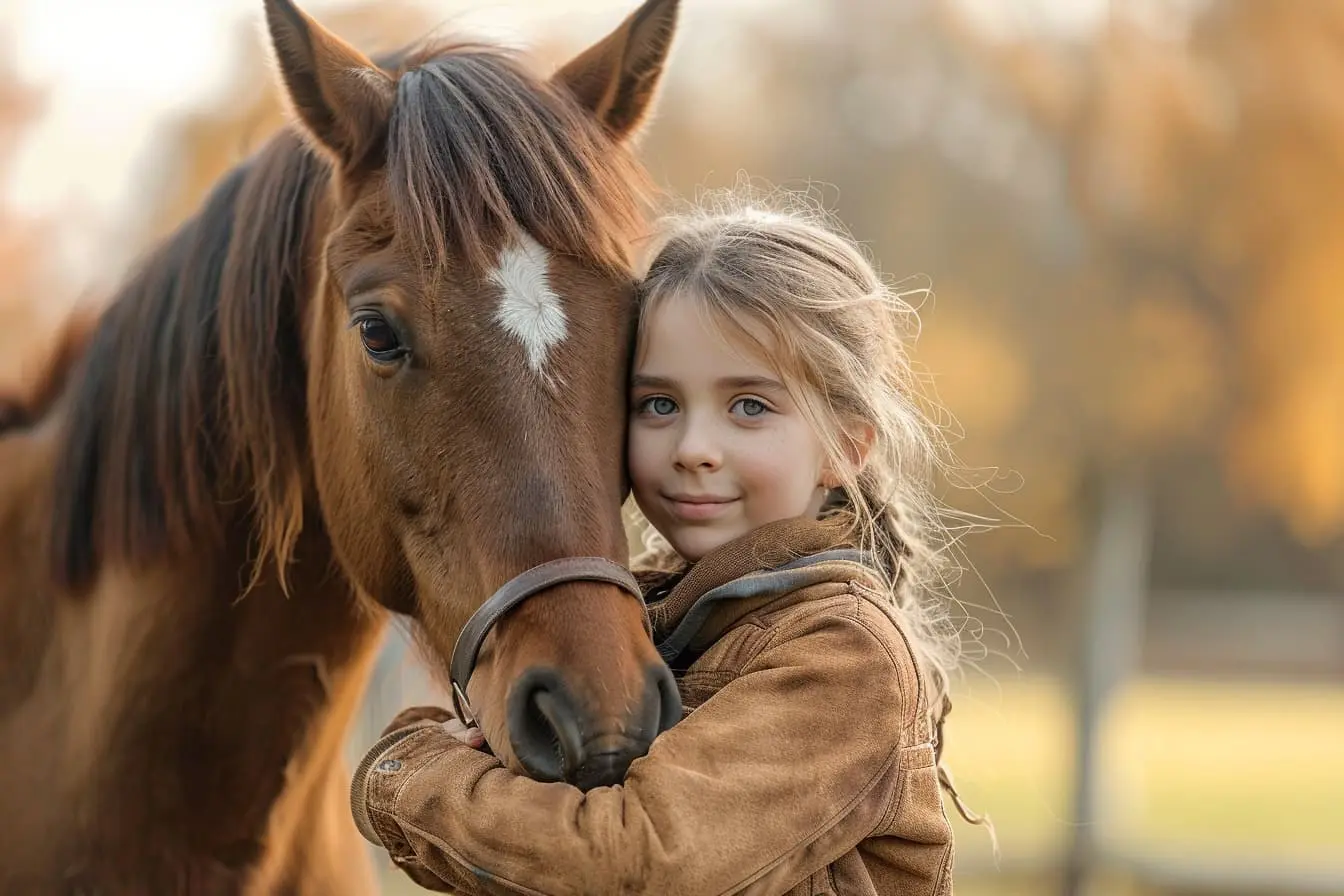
{"x": 778, "y": 448}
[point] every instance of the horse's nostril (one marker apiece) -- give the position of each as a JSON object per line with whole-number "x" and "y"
{"x": 544, "y": 726}
{"x": 666, "y": 697}
{"x": 560, "y": 718}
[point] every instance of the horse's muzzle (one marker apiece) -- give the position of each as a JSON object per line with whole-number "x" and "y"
{"x": 555, "y": 739}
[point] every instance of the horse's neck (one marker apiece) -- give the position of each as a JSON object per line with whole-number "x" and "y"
{"x": 247, "y": 701}
{"x": 27, "y": 608}
{"x": 185, "y": 720}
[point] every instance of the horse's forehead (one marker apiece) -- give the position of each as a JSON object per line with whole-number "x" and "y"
{"x": 530, "y": 310}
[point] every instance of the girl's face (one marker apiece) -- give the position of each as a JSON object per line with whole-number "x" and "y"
{"x": 716, "y": 446}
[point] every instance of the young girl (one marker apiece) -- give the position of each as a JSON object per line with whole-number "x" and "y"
{"x": 778, "y": 447}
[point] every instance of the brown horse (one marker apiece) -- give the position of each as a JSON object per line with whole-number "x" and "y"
{"x": 386, "y": 358}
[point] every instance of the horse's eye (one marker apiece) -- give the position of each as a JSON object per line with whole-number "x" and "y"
{"x": 380, "y": 340}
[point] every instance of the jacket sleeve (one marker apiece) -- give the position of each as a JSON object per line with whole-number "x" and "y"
{"x": 781, "y": 772}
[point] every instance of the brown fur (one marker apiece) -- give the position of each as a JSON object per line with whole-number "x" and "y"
{"x": 186, "y": 528}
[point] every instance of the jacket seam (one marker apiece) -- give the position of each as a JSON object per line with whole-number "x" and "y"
{"x": 789, "y": 629}
{"x": 458, "y": 858}
{"x": 894, "y": 806}
{"x": 888, "y": 816}
{"x": 462, "y": 863}
{"x": 913, "y": 721}
{"x": 853, "y": 613}
{"x": 823, "y": 827}
{"x": 891, "y": 759}
{"x": 943, "y": 872}
{"x": 920, "y": 696}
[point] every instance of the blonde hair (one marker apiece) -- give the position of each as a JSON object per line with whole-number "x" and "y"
{"x": 837, "y": 334}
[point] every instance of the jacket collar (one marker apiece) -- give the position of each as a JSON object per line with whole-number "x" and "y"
{"x": 695, "y": 607}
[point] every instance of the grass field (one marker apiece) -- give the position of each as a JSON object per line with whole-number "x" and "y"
{"x": 1231, "y": 781}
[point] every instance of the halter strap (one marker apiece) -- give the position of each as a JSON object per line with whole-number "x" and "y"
{"x": 512, "y": 593}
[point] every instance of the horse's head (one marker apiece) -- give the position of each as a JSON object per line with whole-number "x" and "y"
{"x": 467, "y": 342}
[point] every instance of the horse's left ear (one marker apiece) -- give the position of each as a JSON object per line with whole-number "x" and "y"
{"x": 342, "y": 98}
{"x": 616, "y": 78}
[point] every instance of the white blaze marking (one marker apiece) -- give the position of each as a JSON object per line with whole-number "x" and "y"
{"x": 529, "y": 310}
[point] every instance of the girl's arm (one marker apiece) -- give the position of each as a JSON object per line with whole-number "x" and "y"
{"x": 785, "y": 769}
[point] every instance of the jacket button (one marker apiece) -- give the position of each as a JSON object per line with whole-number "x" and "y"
{"x": 390, "y": 765}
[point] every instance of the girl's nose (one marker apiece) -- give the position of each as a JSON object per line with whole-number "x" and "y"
{"x": 697, "y": 449}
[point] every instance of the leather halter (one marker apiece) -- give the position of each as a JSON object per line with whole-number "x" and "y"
{"x": 512, "y": 593}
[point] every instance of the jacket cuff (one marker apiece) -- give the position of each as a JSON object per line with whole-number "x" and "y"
{"x": 377, "y": 762}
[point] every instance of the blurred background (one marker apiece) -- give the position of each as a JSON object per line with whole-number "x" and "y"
{"x": 1132, "y": 215}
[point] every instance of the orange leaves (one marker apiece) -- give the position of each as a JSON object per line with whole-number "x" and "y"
{"x": 966, "y": 352}
{"x": 1287, "y": 450}
{"x": 1170, "y": 379}
{"x": 1220, "y": 154}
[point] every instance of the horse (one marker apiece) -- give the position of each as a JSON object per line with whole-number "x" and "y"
{"x": 380, "y": 371}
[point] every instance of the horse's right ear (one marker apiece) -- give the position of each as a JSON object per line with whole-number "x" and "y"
{"x": 616, "y": 79}
{"x": 341, "y": 97}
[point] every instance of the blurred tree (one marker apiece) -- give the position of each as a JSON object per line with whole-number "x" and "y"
{"x": 1207, "y": 156}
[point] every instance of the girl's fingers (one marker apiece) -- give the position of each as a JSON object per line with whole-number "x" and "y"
{"x": 470, "y": 736}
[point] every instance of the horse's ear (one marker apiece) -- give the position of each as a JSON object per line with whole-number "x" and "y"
{"x": 342, "y": 98}
{"x": 617, "y": 77}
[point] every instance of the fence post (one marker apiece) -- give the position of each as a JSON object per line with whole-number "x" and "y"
{"x": 1111, "y": 645}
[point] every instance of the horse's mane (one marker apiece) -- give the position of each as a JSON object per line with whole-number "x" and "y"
{"x": 142, "y": 463}
{"x": 479, "y": 146}
{"x": 190, "y": 397}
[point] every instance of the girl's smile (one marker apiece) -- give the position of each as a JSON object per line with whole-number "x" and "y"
{"x": 698, "y": 507}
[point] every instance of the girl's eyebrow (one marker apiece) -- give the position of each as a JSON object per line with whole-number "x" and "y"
{"x": 749, "y": 382}
{"x": 644, "y": 381}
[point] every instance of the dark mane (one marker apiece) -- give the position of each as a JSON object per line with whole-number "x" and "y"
{"x": 479, "y": 146}
{"x": 190, "y": 399}
{"x": 193, "y": 378}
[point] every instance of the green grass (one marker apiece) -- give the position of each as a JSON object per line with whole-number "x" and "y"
{"x": 1203, "y": 768}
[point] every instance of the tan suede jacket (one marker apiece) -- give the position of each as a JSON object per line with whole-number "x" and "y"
{"x": 804, "y": 764}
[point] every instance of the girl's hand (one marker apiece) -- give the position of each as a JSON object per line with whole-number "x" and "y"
{"x": 469, "y": 735}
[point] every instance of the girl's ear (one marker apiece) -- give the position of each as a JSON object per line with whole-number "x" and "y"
{"x": 857, "y": 442}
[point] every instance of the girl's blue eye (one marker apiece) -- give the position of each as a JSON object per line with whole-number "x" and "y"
{"x": 658, "y": 406}
{"x": 751, "y": 407}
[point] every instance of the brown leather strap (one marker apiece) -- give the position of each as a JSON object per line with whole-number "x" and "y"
{"x": 514, "y": 592}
